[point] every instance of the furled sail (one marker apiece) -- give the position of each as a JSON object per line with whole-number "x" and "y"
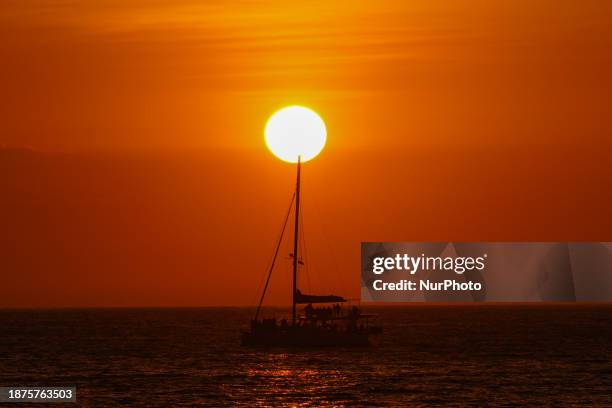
{"x": 301, "y": 298}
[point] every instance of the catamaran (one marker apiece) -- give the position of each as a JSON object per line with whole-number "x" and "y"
{"x": 329, "y": 323}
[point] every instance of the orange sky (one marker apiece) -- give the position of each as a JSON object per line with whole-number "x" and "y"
{"x": 147, "y": 181}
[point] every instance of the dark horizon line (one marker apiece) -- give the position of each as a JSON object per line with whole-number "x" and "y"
{"x": 288, "y": 307}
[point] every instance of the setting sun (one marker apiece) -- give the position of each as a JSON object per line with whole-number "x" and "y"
{"x": 295, "y": 131}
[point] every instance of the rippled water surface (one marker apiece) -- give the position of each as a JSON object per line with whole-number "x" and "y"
{"x": 452, "y": 355}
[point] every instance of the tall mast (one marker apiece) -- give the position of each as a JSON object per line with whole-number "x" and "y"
{"x": 295, "y": 239}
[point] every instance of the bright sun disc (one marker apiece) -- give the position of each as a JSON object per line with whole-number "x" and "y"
{"x": 295, "y": 131}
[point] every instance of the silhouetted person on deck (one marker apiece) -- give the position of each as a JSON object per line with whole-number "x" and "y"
{"x": 309, "y": 310}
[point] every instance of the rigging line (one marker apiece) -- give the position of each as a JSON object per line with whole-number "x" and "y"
{"x": 278, "y": 245}
{"x": 260, "y": 284}
{"x": 329, "y": 246}
{"x": 306, "y": 263}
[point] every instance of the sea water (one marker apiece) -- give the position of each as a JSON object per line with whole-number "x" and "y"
{"x": 428, "y": 354}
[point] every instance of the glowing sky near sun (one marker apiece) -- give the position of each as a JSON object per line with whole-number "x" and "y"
{"x": 167, "y": 74}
